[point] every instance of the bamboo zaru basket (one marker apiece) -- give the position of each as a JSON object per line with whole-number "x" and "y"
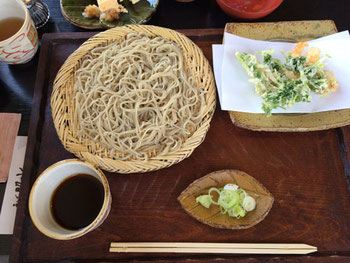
{"x": 62, "y": 103}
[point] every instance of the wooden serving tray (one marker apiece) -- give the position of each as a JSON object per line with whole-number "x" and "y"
{"x": 305, "y": 172}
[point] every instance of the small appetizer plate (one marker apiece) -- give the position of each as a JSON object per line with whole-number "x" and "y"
{"x": 212, "y": 216}
{"x": 139, "y": 13}
{"x": 291, "y": 31}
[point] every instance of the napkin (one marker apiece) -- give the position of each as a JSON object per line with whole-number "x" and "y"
{"x": 9, "y": 128}
{"x": 237, "y": 94}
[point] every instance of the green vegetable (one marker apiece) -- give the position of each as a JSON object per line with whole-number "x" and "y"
{"x": 282, "y": 85}
{"x": 204, "y": 200}
{"x": 248, "y": 203}
{"x": 232, "y": 200}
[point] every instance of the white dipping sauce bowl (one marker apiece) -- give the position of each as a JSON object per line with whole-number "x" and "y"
{"x": 47, "y": 183}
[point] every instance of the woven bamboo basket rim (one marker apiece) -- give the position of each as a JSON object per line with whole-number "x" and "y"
{"x": 62, "y": 105}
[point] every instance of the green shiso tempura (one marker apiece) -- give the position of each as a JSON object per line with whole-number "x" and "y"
{"x": 281, "y": 85}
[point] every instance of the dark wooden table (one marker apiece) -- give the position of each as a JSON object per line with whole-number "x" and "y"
{"x": 17, "y": 82}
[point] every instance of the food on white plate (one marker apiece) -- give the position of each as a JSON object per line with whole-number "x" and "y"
{"x": 281, "y": 85}
{"x": 232, "y": 200}
{"x": 136, "y": 99}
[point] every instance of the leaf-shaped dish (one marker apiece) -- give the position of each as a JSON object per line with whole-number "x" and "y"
{"x": 138, "y": 13}
{"x": 212, "y": 216}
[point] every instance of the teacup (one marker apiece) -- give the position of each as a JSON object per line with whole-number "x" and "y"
{"x": 40, "y": 199}
{"x": 22, "y": 45}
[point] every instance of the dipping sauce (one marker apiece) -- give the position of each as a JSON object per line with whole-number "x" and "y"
{"x": 77, "y": 201}
{"x": 9, "y": 27}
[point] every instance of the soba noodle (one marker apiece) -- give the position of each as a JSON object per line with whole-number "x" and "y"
{"x": 135, "y": 98}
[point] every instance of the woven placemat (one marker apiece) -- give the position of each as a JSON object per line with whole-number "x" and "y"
{"x": 63, "y": 107}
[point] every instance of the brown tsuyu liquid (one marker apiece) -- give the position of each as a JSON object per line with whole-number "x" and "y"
{"x": 9, "y": 27}
{"x": 77, "y": 201}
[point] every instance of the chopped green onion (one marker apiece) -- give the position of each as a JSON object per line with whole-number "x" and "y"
{"x": 215, "y": 190}
{"x": 228, "y": 198}
{"x": 231, "y": 200}
{"x": 204, "y": 200}
{"x": 248, "y": 203}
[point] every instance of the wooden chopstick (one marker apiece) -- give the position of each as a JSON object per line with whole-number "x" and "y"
{"x": 228, "y": 248}
{"x": 211, "y": 245}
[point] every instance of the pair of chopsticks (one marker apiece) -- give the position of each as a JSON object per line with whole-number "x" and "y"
{"x": 217, "y": 248}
